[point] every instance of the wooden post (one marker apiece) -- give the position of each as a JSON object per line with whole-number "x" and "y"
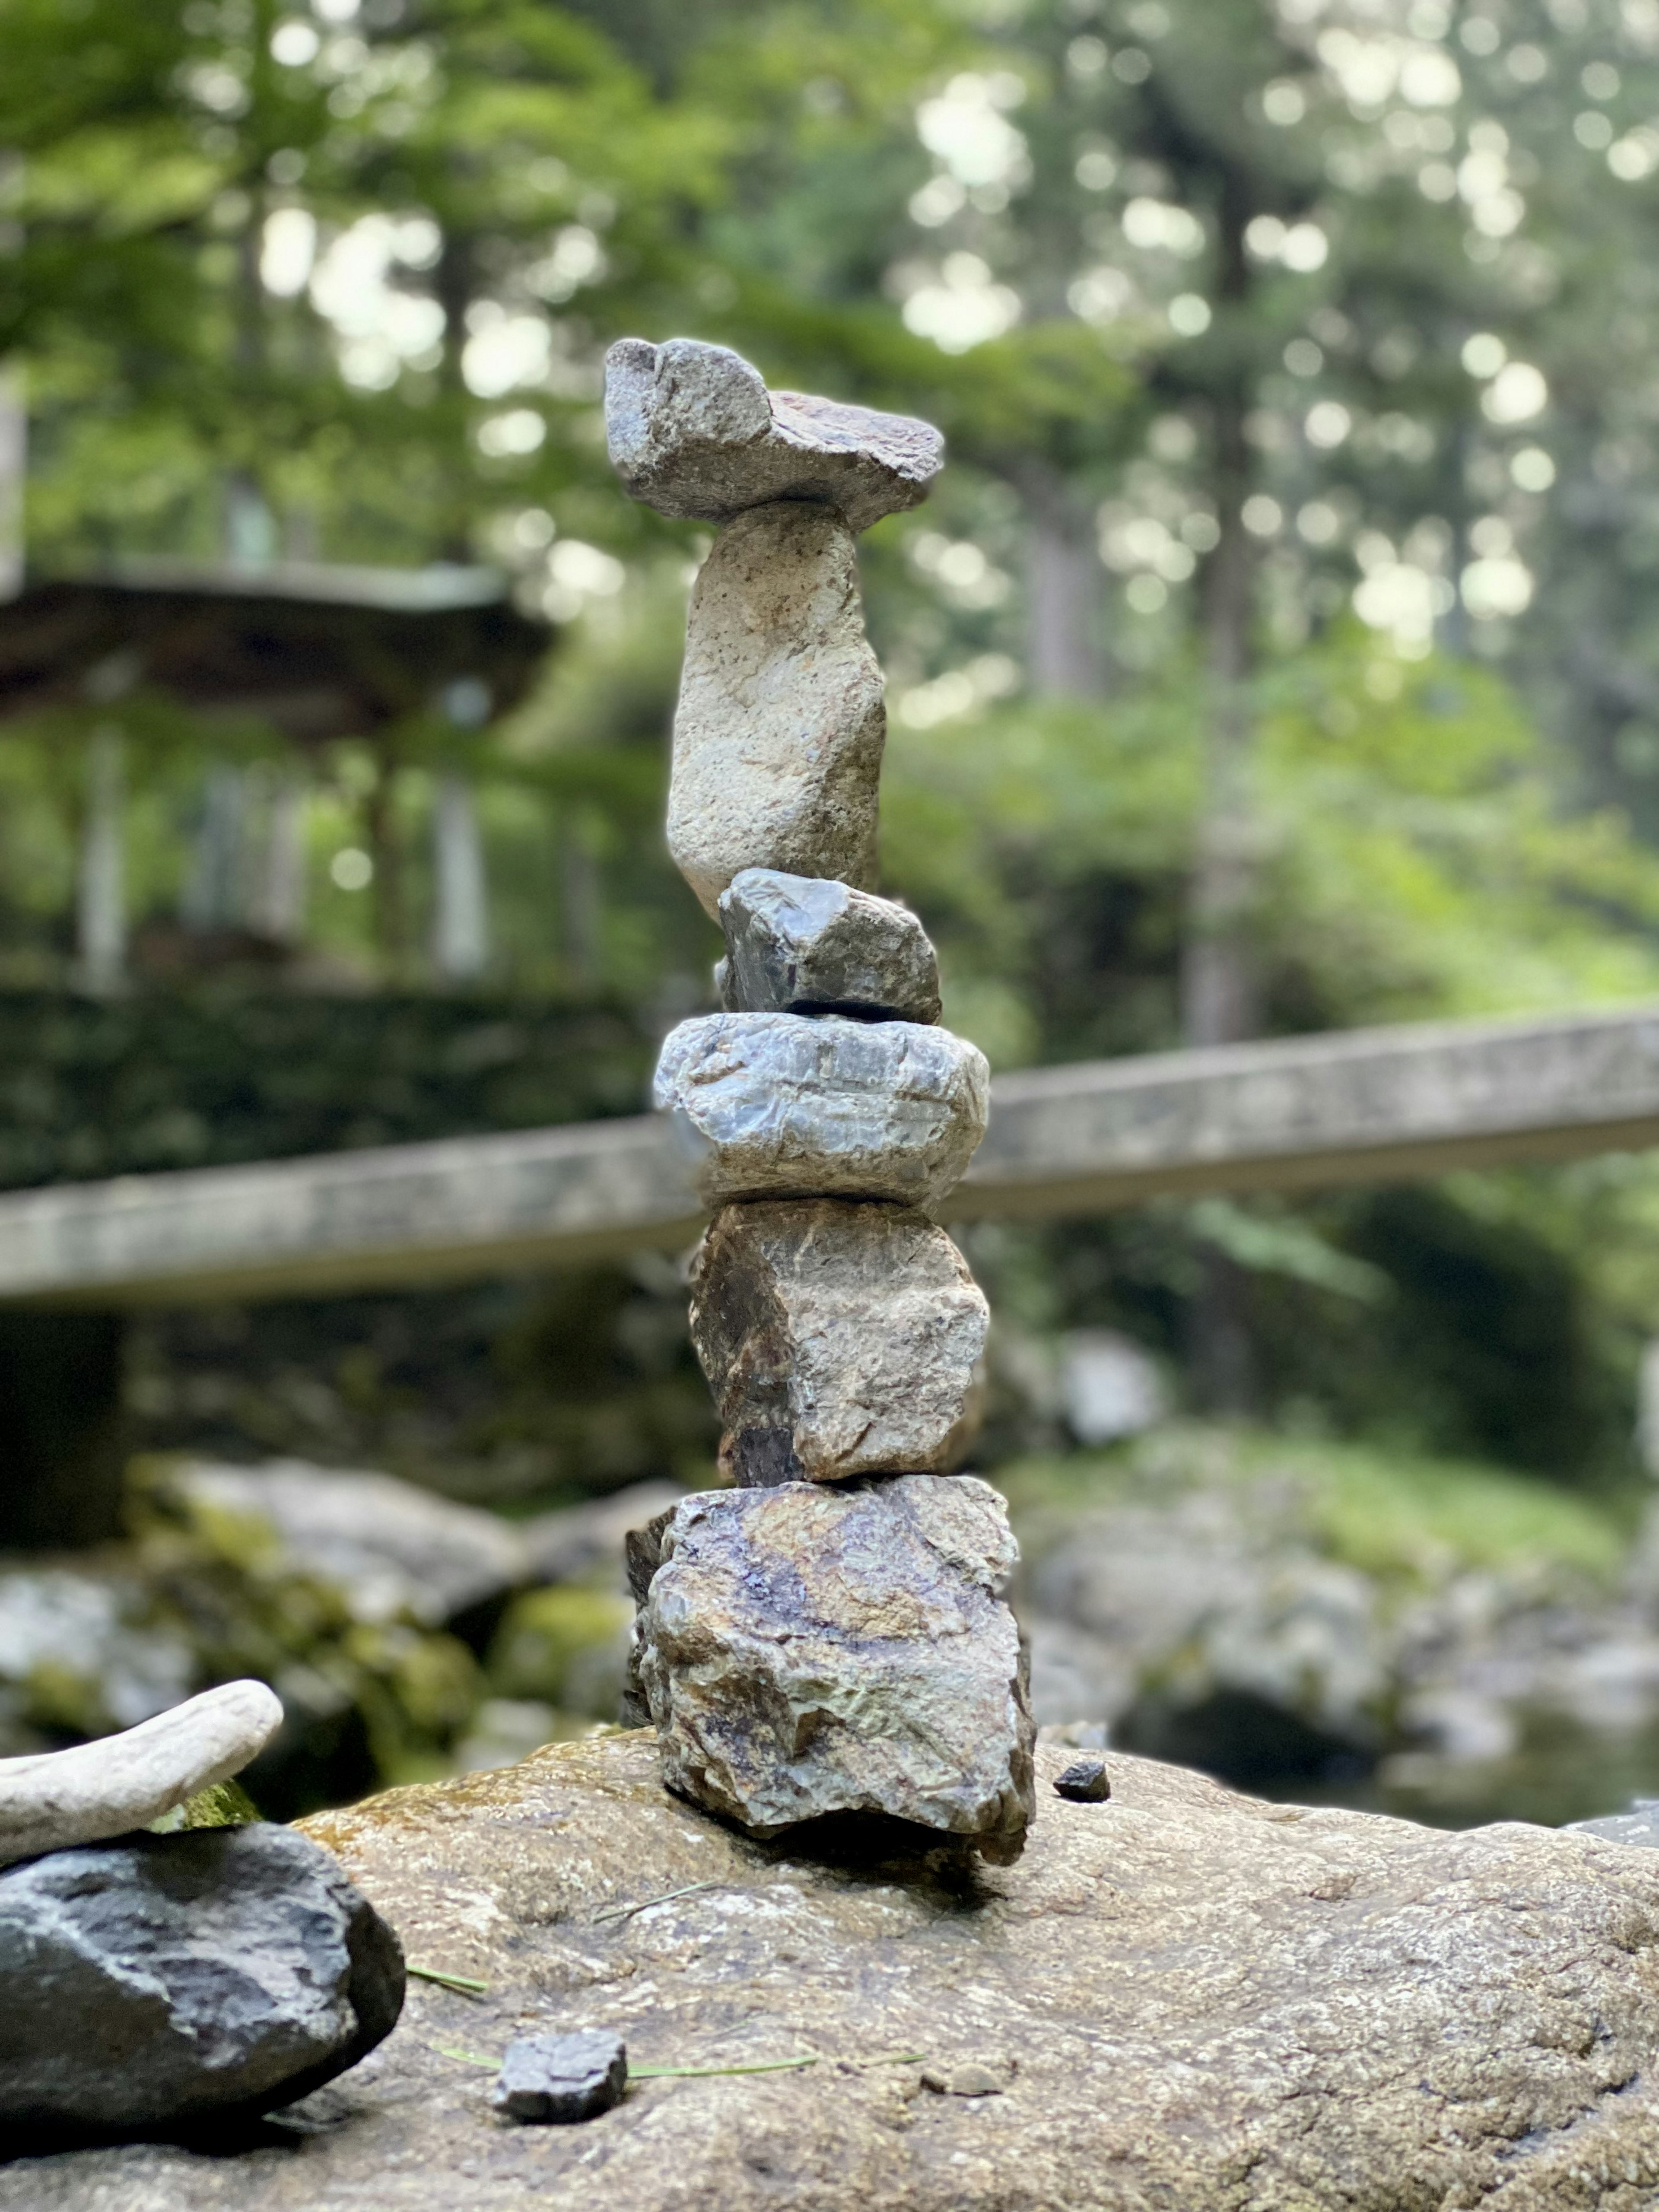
{"x": 101, "y": 921}
{"x": 460, "y": 922}
{"x": 62, "y": 1431}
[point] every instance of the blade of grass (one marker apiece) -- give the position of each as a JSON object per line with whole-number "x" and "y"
{"x": 623, "y": 1911}
{"x": 464, "y": 2058}
{"x": 687, "y": 2072}
{"x": 463, "y": 1982}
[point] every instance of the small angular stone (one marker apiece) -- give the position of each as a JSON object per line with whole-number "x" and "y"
{"x": 49, "y": 1800}
{"x": 779, "y": 731}
{"x": 160, "y": 1979}
{"x": 808, "y": 944}
{"x": 1085, "y": 1782}
{"x": 782, "y": 1105}
{"x": 554, "y": 2079}
{"x": 839, "y": 1339}
{"x": 693, "y": 431}
{"x": 806, "y": 1651}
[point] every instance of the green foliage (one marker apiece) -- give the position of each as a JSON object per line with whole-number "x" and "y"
{"x": 221, "y": 1805}
{"x": 1413, "y": 858}
{"x": 99, "y": 1087}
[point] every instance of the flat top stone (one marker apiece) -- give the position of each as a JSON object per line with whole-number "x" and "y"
{"x": 694, "y": 432}
{"x": 1193, "y": 2000}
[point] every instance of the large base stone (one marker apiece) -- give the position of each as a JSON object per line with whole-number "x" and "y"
{"x": 1191, "y": 2001}
{"x": 838, "y": 1339}
{"x": 160, "y": 1980}
{"x": 804, "y": 1651}
{"x": 779, "y": 731}
{"x": 783, "y": 1105}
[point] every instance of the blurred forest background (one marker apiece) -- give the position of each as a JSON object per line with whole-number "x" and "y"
{"x": 1278, "y": 653}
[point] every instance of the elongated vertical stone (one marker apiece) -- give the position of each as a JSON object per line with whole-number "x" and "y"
{"x": 779, "y": 731}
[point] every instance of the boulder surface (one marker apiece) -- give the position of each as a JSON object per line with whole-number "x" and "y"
{"x": 812, "y": 1650}
{"x": 1188, "y": 2000}
{"x": 159, "y": 1980}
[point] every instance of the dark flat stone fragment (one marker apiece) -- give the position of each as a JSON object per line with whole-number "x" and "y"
{"x": 154, "y": 1982}
{"x": 1085, "y": 1782}
{"x": 556, "y": 2079}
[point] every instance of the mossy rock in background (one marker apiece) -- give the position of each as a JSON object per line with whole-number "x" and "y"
{"x": 565, "y": 1647}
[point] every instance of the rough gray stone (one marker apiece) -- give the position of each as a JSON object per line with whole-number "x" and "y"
{"x": 52, "y": 1799}
{"x": 693, "y": 431}
{"x": 1215, "y": 2004}
{"x": 556, "y": 2079}
{"x": 805, "y": 1651}
{"x": 838, "y": 1339}
{"x": 161, "y": 1979}
{"x": 1085, "y": 1782}
{"x": 1640, "y": 1825}
{"x": 807, "y": 945}
{"x": 786, "y": 1106}
{"x": 779, "y": 731}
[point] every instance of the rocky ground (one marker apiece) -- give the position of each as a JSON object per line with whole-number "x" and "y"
{"x": 1178, "y": 1998}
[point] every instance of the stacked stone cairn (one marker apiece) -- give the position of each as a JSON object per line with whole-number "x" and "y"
{"x": 831, "y": 1634}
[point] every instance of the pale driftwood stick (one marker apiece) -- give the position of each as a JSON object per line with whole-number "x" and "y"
{"x": 56, "y": 1798}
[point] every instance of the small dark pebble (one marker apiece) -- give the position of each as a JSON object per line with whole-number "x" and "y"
{"x": 552, "y": 2079}
{"x": 1085, "y": 1782}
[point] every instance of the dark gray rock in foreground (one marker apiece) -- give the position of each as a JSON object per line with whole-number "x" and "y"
{"x": 693, "y": 431}
{"x": 556, "y": 2079}
{"x": 839, "y": 1339}
{"x": 806, "y": 1651}
{"x": 158, "y": 1980}
{"x": 805, "y": 945}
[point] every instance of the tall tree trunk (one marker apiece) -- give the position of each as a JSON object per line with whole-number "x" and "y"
{"x": 1062, "y": 582}
{"x": 455, "y": 284}
{"x": 1219, "y": 987}
{"x": 580, "y": 908}
{"x": 14, "y": 470}
{"x": 384, "y": 849}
